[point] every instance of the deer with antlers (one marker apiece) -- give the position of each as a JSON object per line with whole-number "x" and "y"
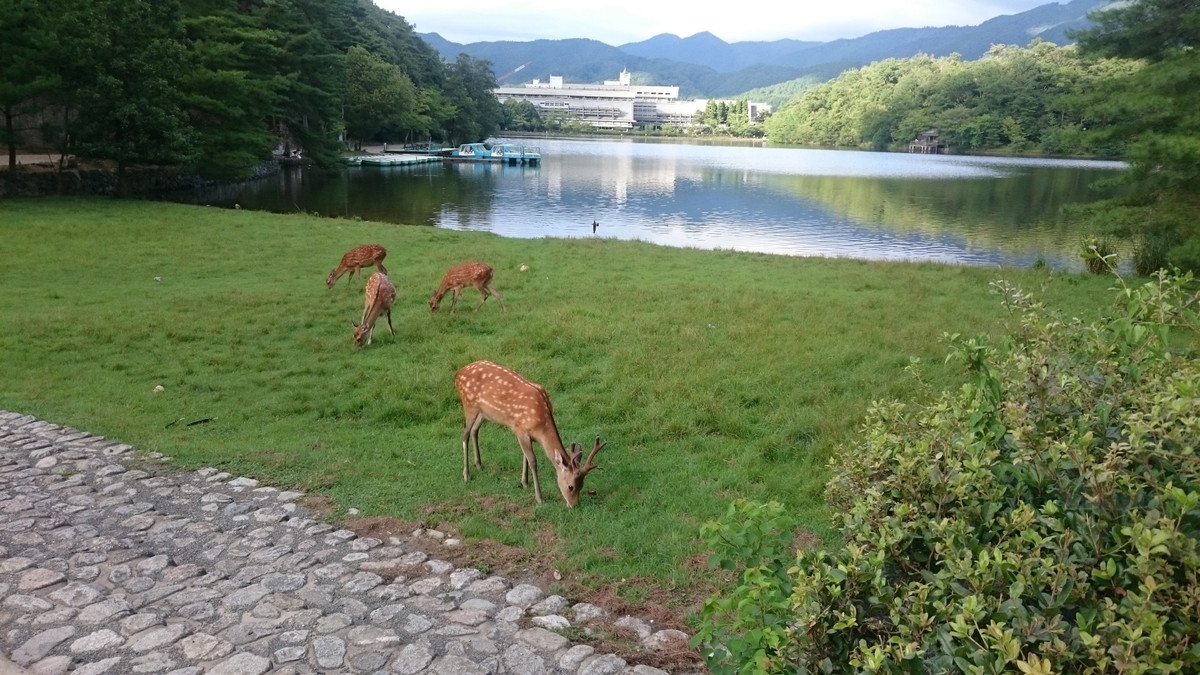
{"x": 377, "y": 299}
{"x": 355, "y": 259}
{"x": 492, "y": 392}
{"x": 457, "y": 278}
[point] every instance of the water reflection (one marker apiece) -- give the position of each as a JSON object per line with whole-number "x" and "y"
{"x": 970, "y": 210}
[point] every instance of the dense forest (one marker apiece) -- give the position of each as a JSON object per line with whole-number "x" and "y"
{"x": 218, "y": 85}
{"x": 1030, "y": 99}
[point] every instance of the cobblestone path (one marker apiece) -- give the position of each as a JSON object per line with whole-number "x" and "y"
{"x": 106, "y": 567}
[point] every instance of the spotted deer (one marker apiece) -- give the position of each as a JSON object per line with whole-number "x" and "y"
{"x": 377, "y": 299}
{"x": 475, "y": 274}
{"x": 355, "y": 259}
{"x": 492, "y": 392}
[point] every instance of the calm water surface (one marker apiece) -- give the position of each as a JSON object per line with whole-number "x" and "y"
{"x": 882, "y": 206}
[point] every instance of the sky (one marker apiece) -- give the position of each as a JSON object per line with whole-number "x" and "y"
{"x": 467, "y": 21}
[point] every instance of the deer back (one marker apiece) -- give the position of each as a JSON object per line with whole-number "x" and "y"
{"x": 357, "y": 257}
{"x": 377, "y": 298}
{"x": 505, "y": 397}
{"x": 460, "y": 276}
{"x": 363, "y": 256}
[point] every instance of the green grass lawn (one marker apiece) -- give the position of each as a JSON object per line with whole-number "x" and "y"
{"x": 711, "y": 375}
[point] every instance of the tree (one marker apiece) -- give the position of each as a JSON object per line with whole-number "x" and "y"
{"x": 25, "y": 74}
{"x": 1156, "y": 113}
{"x": 469, "y": 86}
{"x": 1145, "y": 29}
{"x": 120, "y": 85}
{"x": 311, "y": 69}
{"x": 379, "y": 96}
{"x": 231, "y": 88}
{"x": 521, "y": 116}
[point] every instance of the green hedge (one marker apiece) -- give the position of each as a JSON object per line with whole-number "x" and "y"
{"x": 1043, "y": 518}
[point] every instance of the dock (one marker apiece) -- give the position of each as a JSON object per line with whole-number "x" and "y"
{"x": 391, "y": 160}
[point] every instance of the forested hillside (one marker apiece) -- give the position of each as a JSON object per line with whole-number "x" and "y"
{"x": 1020, "y": 99}
{"x": 218, "y": 85}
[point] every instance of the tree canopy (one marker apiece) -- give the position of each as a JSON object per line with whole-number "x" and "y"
{"x": 217, "y": 85}
{"x": 1155, "y": 112}
{"x": 1024, "y": 99}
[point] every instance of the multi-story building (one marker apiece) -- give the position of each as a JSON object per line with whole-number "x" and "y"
{"x": 616, "y": 104}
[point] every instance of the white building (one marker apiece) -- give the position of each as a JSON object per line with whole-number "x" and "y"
{"x": 616, "y": 104}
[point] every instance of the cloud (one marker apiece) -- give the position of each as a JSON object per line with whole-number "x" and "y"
{"x": 469, "y": 21}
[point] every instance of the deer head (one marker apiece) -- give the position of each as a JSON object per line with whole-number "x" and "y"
{"x": 571, "y": 474}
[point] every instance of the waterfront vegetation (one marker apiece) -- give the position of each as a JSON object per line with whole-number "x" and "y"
{"x": 712, "y": 375}
{"x": 1014, "y": 99}
{"x": 1039, "y": 519}
{"x": 223, "y": 85}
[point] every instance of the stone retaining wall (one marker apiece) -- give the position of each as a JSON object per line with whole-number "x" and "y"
{"x": 41, "y": 180}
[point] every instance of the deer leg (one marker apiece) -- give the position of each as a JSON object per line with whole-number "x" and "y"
{"x": 454, "y": 298}
{"x": 475, "y": 434}
{"x": 389, "y": 318}
{"x": 498, "y": 296}
{"x": 483, "y": 296}
{"x": 529, "y": 466}
{"x": 379, "y": 266}
{"x": 471, "y": 433}
{"x": 466, "y": 436}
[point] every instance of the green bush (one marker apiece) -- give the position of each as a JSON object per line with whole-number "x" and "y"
{"x": 1098, "y": 255}
{"x": 1043, "y": 518}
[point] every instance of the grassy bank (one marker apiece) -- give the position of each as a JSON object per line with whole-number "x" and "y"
{"x": 711, "y": 375}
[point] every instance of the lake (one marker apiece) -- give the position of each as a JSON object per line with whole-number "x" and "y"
{"x": 992, "y": 211}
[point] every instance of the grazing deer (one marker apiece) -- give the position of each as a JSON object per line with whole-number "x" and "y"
{"x": 355, "y": 259}
{"x": 459, "y": 277}
{"x": 377, "y": 299}
{"x": 492, "y": 392}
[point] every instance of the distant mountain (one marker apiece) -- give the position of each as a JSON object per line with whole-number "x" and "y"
{"x": 706, "y": 49}
{"x": 704, "y": 66}
{"x": 1048, "y": 22}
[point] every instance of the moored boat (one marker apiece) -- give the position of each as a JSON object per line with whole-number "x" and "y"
{"x": 470, "y": 152}
{"x": 509, "y": 153}
{"x": 520, "y": 154}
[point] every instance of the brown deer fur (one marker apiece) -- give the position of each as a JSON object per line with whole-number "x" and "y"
{"x": 475, "y": 274}
{"x": 492, "y": 392}
{"x": 355, "y": 259}
{"x": 377, "y": 299}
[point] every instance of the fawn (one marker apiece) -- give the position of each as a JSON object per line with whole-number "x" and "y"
{"x": 355, "y": 259}
{"x": 492, "y": 392}
{"x": 458, "y": 277}
{"x": 377, "y": 299}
